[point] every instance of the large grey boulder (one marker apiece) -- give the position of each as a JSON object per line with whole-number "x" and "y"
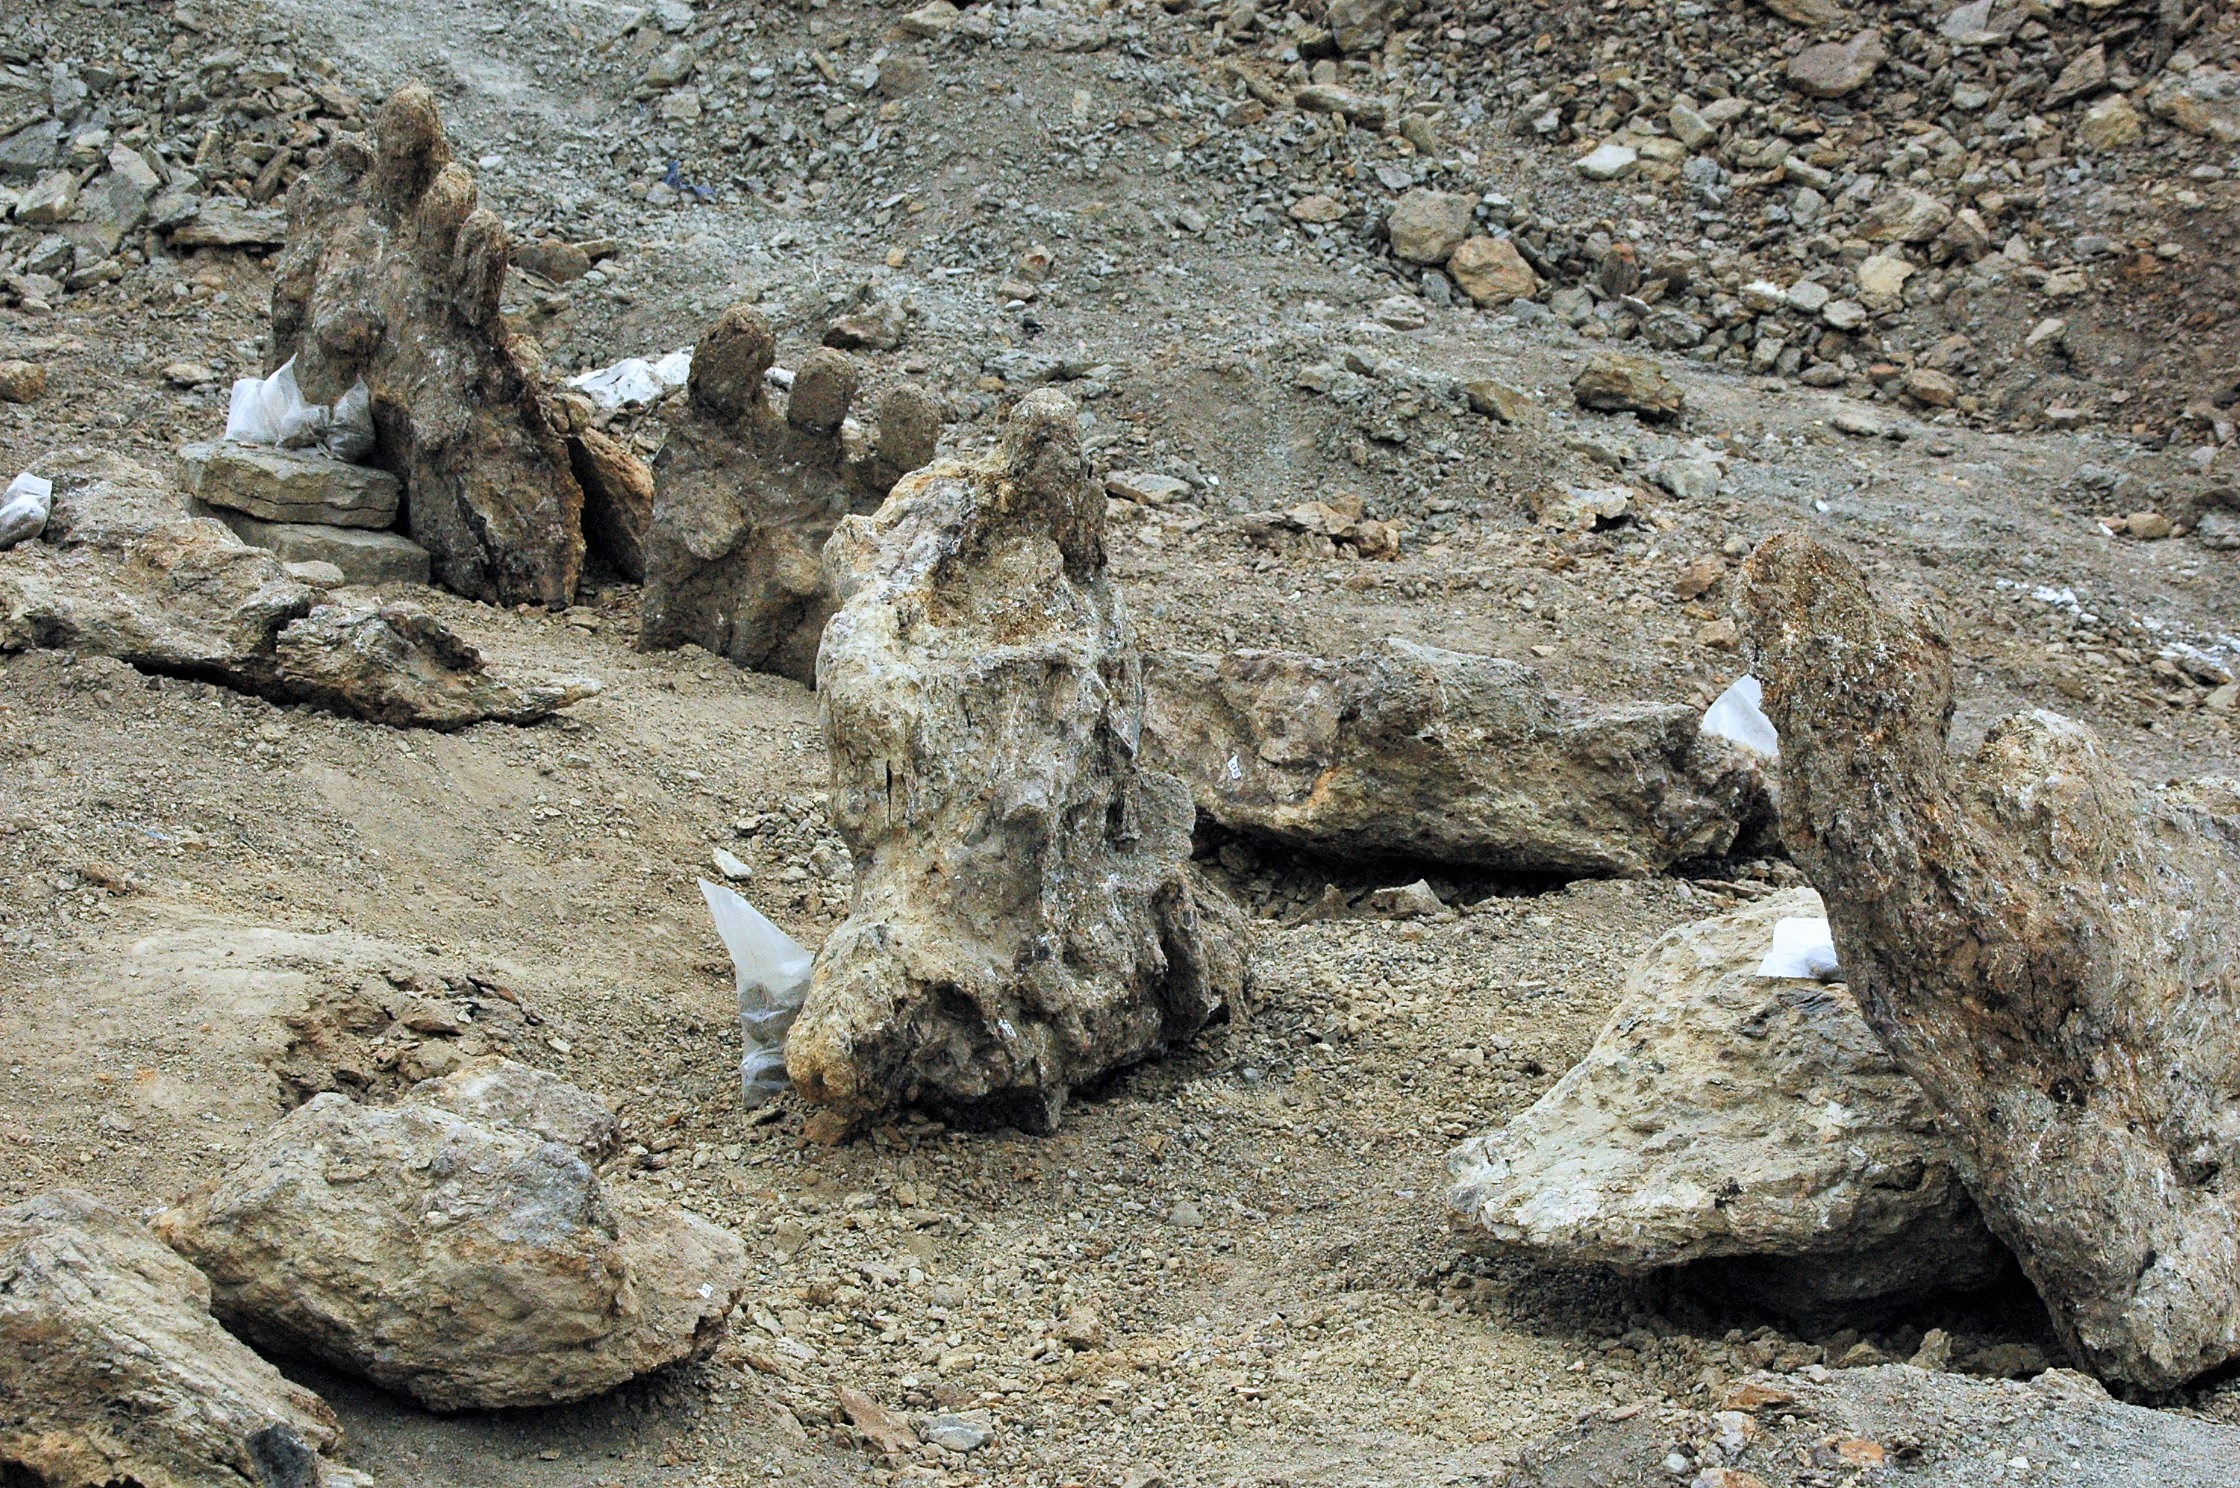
{"x": 744, "y": 498}
{"x": 1411, "y": 751}
{"x": 112, "y": 1370}
{"x": 2045, "y": 943}
{"x": 1724, "y": 1116}
{"x": 280, "y": 485}
{"x": 1022, "y": 919}
{"x": 1893, "y": 1426}
{"x": 464, "y": 1260}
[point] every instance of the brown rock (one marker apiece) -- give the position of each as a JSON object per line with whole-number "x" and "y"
{"x": 1492, "y": 272}
{"x": 463, "y": 1260}
{"x": 1929, "y": 386}
{"x": 1022, "y": 921}
{"x": 1426, "y": 226}
{"x": 1835, "y": 68}
{"x": 22, "y": 382}
{"x": 2044, "y": 943}
{"x": 617, "y": 500}
{"x": 125, "y": 573}
{"x": 1411, "y": 751}
{"x": 392, "y": 276}
{"x": 1613, "y": 382}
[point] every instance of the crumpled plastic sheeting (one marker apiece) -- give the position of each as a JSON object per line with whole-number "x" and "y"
{"x": 1802, "y": 949}
{"x": 272, "y": 411}
{"x": 1738, "y": 714}
{"x": 24, "y": 509}
{"x": 772, "y": 970}
{"x": 634, "y": 381}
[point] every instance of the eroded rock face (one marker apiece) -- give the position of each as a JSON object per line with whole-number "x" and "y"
{"x": 113, "y": 1371}
{"x": 1022, "y": 920}
{"x": 1412, "y": 751}
{"x": 744, "y": 498}
{"x": 124, "y": 572}
{"x": 1726, "y": 1116}
{"x": 392, "y": 275}
{"x": 464, "y": 1260}
{"x": 2046, "y": 945}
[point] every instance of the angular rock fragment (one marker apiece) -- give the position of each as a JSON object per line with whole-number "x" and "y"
{"x": 466, "y": 1261}
{"x": 1416, "y": 752}
{"x": 123, "y": 572}
{"x": 392, "y": 277}
{"x": 2044, "y": 943}
{"x": 1725, "y": 1116}
{"x": 1613, "y": 382}
{"x": 1834, "y": 68}
{"x": 744, "y": 498}
{"x": 112, "y": 1370}
{"x": 1892, "y": 1423}
{"x": 1022, "y": 921}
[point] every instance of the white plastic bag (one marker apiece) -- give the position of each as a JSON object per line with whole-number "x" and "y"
{"x": 24, "y": 509}
{"x": 634, "y": 381}
{"x": 772, "y": 970}
{"x": 1739, "y": 716}
{"x": 1802, "y": 948}
{"x": 271, "y": 410}
{"x": 350, "y": 425}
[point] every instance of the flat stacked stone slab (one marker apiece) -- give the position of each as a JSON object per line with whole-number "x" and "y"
{"x": 278, "y": 485}
{"x": 366, "y": 558}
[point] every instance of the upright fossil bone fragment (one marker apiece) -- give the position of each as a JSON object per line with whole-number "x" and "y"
{"x": 744, "y": 497}
{"x": 1024, "y": 920}
{"x": 392, "y": 276}
{"x": 2047, "y": 945}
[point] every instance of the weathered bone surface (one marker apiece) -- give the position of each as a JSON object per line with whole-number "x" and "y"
{"x": 392, "y": 275}
{"x": 2048, "y": 946}
{"x": 744, "y": 498}
{"x": 1022, "y": 920}
{"x": 1726, "y": 1116}
{"x": 465, "y": 1262}
{"x": 124, "y": 572}
{"x": 1417, "y": 752}
{"x": 112, "y": 1369}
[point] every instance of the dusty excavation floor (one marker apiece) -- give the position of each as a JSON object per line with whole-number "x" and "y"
{"x": 1231, "y": 1267}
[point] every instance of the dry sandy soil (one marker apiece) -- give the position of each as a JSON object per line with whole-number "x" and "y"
{"x": 1232, "y": 1266}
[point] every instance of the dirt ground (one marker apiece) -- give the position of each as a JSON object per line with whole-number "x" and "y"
{"x": 1232, "y": 1266}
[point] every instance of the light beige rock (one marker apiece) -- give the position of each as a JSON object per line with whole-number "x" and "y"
{"x": 1427, "y": 226}
{"x": 2205, "y": 101}
{"x": 2110, "y": 124}
{"x": 1613, "y": 382}
{"x": 112, "y": 1370}
{"x": 1411, "y": 751}
{"x": 1492, "y": 272}
{"x": 1721, "y": 1116}
{"x": 469, "y": 1263}
{"x": 1023, "y": 921}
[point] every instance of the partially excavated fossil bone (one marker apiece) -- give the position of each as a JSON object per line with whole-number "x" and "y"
{"x": 2047, "y": 945}
{"x": 1024, "y": 920}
